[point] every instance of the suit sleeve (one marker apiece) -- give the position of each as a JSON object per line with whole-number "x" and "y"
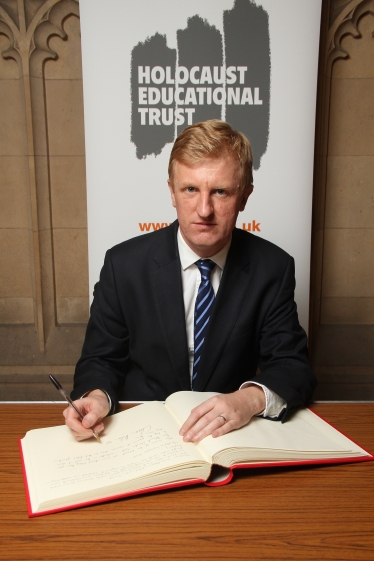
{"x": 283, "y": 356}
{"x": 105, "y": 352}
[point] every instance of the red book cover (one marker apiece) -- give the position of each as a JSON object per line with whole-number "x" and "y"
{"x": 218, "y": 476}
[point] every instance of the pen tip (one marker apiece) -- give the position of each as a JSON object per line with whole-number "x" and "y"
{"x": 96, "y": 436}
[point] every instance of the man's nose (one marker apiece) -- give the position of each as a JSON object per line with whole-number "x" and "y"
{"x": 205, "y": 207}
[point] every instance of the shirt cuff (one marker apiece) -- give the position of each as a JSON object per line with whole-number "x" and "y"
{"x": 274, "y": 403}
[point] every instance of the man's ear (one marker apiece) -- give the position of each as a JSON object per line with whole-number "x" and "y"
{"x": 171, "y": 189}
{"x": 247, "y": 191}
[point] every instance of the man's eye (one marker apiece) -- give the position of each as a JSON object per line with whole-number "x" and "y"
{"x": 190, "y": 189}
{"x": 221, "y": 192}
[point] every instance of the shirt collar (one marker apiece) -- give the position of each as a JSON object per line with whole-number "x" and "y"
{"x": 188, "y": 257}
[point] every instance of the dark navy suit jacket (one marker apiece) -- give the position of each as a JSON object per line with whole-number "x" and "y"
{"x": 136, "y": 343}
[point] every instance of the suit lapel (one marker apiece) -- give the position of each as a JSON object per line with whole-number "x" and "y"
{"x": 168, "y": 297}
{"x": 232, "y": 290}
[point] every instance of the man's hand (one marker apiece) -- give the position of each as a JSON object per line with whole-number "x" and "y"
{"x": 94, "y": 407}
{"x": 223, "y": 413}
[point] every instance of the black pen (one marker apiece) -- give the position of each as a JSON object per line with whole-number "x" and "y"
{"x": 65, "y": 396}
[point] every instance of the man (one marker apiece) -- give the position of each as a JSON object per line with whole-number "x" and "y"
{"x": 144, "y": 340}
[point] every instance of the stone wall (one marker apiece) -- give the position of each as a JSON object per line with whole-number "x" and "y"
{"x": 342, "y": 303}
{"x": 43, "y": 217}
{"x": 43, "y": 220}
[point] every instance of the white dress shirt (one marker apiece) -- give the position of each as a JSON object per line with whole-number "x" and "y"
{"x": 191, "y": 279}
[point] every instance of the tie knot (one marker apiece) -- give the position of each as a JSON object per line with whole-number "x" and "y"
{"x": 205, "y": 267}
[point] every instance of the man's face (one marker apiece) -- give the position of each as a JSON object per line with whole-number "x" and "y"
{"x": 208, "y": 198}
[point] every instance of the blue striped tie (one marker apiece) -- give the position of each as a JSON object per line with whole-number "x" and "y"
{"x": 203, "y": 306}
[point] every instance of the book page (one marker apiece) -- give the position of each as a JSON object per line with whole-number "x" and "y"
{"x": 329, "y": 431}
{"x": 180, "y": 405}
{"x": 303, "y": 435}
{"x": 135, "y": 443}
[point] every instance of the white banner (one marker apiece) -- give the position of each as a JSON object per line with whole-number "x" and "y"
{"x": 151, "y": 68}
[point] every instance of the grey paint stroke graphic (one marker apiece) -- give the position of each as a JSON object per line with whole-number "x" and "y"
{"x": 245, "y": 45}
{"x": 200, "y": 44}
{"x": 150, "y": 139}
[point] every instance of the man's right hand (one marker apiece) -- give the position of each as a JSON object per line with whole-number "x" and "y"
{"x": 94, "y": 408}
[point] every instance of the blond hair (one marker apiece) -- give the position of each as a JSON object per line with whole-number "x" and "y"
{"x": 212, "y": 139}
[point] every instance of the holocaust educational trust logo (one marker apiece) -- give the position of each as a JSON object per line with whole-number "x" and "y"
{"x": 209, "y": 76}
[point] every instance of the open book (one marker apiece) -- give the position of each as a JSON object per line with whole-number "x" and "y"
{"x": 141, "y": 451}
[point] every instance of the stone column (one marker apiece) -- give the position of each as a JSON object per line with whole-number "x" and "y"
{"x": 43, "y": 229}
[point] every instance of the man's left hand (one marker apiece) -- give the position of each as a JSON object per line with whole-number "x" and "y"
{"x": 223, "y": 413}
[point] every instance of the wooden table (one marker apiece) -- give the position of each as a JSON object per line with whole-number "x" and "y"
{"x": 304, "y": 513}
